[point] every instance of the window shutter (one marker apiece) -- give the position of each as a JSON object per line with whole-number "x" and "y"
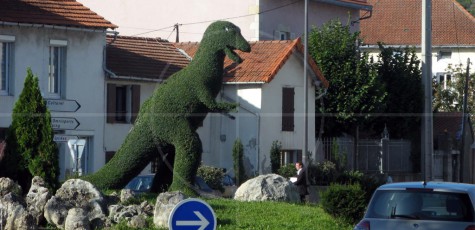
{"x": 287, "y": 109}
{"x": 111, "y": 110}
{"x": 135, "y": 102}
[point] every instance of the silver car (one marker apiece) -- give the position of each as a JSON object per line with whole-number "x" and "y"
{"x": 421, "y": 206}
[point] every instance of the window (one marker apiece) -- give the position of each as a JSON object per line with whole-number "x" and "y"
{"x": 283, "y": 35}
{"x": 123, "y": 103}
{"x": 290, "y": 156}
{"x": 56, "y": 68}
{"x": 109, "y": 155}
{"x": 288, "y": 109}
{"x": 444, "y": 55}
{"x": 6, "y": 46}
{"x": 444, "y": 79}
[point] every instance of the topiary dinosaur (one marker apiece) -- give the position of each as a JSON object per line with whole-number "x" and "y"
{"x": 172, "y": 114}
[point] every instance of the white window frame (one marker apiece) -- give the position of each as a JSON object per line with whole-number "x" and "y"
{"x": 6, "y": 47}
{"x": 56, "y": 65}
{"x": 447, "y": 77}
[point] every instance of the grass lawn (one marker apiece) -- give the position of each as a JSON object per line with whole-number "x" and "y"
{"x": 233, "y": 214}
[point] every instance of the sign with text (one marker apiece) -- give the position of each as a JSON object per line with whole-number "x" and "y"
{"x": 62, "y": 105}
{"x": 64, "y": 138}
{"x": 63, "y": 123}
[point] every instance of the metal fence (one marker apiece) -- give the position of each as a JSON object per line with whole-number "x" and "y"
{"x": 370, "y": 155}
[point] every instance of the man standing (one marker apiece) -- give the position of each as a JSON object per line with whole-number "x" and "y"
{"x": 301, "y": 181}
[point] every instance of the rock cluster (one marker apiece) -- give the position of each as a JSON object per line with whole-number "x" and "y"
{"x": 79, "y": 205}
{"x": 76, "y": 205}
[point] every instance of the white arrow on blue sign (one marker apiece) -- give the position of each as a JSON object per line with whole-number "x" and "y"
{"x": 192, "y": 213}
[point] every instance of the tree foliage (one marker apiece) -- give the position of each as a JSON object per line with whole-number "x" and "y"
{"x": 355, "y": 91}
{"x": 399, "y": 70}
{"x": 30, "y": 146}
{"x": 448, "y": 96}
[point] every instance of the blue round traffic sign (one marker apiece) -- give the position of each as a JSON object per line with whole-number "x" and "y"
{"x": 192, "y": 214}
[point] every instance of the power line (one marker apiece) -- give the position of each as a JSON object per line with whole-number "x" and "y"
{"x": 208, "y": 21}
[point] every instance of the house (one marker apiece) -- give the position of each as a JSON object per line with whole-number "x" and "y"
{"x": 268, "y": 86}
{"x": 449, "y": 164}
{"x": 398, "y": 24}
{"x": 183, "y": 20}
{"x": 62, "y": 42}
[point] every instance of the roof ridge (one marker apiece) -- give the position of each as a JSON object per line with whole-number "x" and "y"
{"x": 138, "y": 38}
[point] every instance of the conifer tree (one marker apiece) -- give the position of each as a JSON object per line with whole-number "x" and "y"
{"x": 30, "y": 137}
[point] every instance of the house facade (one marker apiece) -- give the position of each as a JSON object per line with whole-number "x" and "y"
{"x": 62, "y": 42}
{"x": 398, "y": 24}
{"x": 258, "y": 19}
{"x": 268, "y": 86}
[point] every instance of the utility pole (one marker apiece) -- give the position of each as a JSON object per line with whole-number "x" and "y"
{"x": 427, "y": 121}
{"x": 464, "y": 118}
{"x": 177, "y": 28}
{"x": 305, "y": 90}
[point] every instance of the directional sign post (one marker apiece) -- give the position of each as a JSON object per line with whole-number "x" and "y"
{"x": 62, "y": 105}
{"x": 63, "y": 123}
{"x": 192, "y": 213}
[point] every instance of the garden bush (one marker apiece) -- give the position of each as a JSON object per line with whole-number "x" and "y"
{"x": 212, "y": 176}
{"x": 344, "y": 201}
{"x": 323, "y": 173}
{"x": 287, "y": 171}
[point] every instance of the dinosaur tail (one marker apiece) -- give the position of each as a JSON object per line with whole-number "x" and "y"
{"x": 136, "y": 152}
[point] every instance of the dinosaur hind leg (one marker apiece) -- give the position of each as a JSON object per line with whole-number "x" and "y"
{"x": 187, "y": 159}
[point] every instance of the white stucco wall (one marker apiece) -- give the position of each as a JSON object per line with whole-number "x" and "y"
{"x": 258, "y": 121}
{"x": 291, "y": 18}
{"x": 159, "y": 17}
{"x": 84, "y": 82}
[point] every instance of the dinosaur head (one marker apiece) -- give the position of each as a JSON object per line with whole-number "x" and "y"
{"x": 225, "y": 36}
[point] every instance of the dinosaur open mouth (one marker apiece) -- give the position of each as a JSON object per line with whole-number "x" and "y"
{"x": 229, "y": 51}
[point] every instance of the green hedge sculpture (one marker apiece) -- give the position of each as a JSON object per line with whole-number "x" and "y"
{"x": 172, "y": 114}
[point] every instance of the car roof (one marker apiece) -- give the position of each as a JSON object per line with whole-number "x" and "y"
{"x": 448, "y": 186}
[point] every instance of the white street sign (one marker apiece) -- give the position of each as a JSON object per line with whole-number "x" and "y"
{"x": 62, "y": 123}
{"x": 64, "y": 138}
{"x": 62, "y": 105}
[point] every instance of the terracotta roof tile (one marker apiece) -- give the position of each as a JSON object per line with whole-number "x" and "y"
{"x": 67, "y": 13}
{"x": 262, "y": 63}
{"x": 398, "y": 22}
{"x": 150, "y": 58}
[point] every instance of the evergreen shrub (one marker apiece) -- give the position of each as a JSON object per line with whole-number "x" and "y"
{"x": 238, "y": 162}
{"x": 212, "y": 176}
{"x": 275, "y": 156}
{"x": 347, "y": 202}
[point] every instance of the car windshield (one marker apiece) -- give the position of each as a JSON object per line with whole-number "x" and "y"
{"x": 421, "y": 204}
